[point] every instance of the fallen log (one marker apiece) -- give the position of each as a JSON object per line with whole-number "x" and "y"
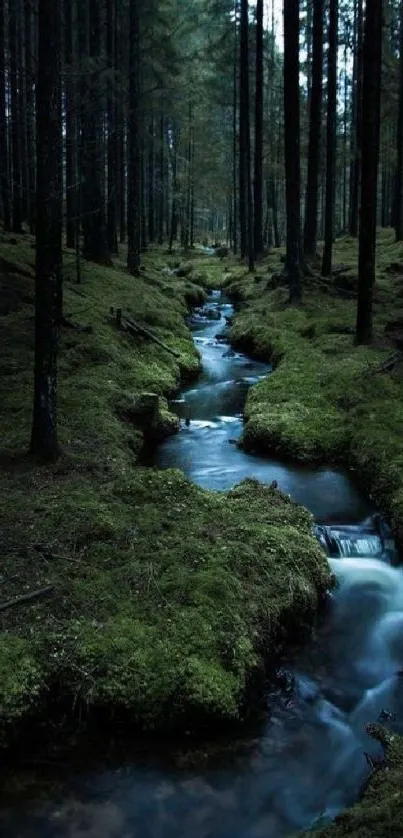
{"x": 388, "y": 364}
{"x": 142, "y": 330}
{"x": 19, "y": 600}
{"x": 69, "y": 324}
{"x": 124, "y": 322}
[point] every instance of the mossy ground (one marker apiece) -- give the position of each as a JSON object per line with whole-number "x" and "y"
{"x": 166, "y": 598}
{"x": 379, "y": 814}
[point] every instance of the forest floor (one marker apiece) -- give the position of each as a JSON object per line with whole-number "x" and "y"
{"x": 166, "y": 600}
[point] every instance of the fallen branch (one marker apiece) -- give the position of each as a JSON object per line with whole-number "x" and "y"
{"x": 68, "y": 324}
{"x": 77, "y": 291}
{"x": 41, "y": 592}
{"x": 130, "y": 325}
{"x": 133, "y": 326}
{"x": 389, "y": 364}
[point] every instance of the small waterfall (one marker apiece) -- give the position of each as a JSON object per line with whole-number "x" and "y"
{"x": 370, "y": 539}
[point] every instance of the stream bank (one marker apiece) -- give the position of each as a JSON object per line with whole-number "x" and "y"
{"x": 158, "y": 608}
{"x": 327, "y": 400}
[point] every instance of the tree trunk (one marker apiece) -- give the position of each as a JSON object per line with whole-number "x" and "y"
{"x": 245, "y": 146}
{"x": 122, "y": 181}
{"x": 355, "y": 169}
{"x": 330, "y": 138}
{"x": 372, "y": 55}
{"x": 345, "y": 139}
{"x": 134, "y": 158}
{"x": 292, "y": 145}
{"x": 315, "y": 128}
{"x": 95, "y": 240}
{"x": 399, "y": 139}
{"x": 30, "y": 60}
{"x": 174, "y": 205}
{"x": 49, "y": 230}
{"x": 241, "y": 156}
{"x": 189, "y": 177}
{"x": 143, "y": 193}
{"x": 161, "y": 181}
{"x": 22, "y": 109}
{"x": 71, "y": 125}
{"x": 112, "y": 127}
{"x": 258, "y": 179}
{"x": 4, "y": 155}
{"x": 14, "y": 115}
{"x": 151, "y": 181}
{"x": 235, "y": 136}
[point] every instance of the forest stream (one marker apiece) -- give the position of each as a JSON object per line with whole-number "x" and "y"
{"x": 310, "y": 757}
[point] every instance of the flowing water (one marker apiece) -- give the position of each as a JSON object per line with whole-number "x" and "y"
{"x": 311, "y": 755}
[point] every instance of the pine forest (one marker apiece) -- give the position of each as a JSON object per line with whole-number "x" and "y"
{"x": 201, "y": 418}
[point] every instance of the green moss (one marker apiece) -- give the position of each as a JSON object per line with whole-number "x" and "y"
{"x": 173, "y": 596}
{"x": 167, "y": 599}
{"x": 380, "y": 812}
{"x": 21, "y": 680}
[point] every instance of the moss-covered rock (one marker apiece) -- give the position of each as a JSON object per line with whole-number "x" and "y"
{"x": 168, "y": 599}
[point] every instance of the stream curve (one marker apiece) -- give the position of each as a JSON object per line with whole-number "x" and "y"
{"x": 311, "y": 755}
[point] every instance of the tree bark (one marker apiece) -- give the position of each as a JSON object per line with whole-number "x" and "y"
{"x": 49, "y": 230}
{"x": 235, "y": 137}
{"x": 14, "y": 114}
{"x": 4, "y": 151}
{"x": 357, "y": 139}
{"x": 22, "y": 108}
{"x": 71, "y": 133}
{"x": 134, "y": 158}
{"x": 161, "y": 181}
{"x": 111, "y": 225}
{"x": 315, "y": 129}
{"x": 175, "y": 188}
{"x": 122, "y": 181}
{"x": 30, "y": 60}
{"x": 95, "y": 240}
{"x": 292, "y": 145}
{"x": 330, "y": 138}
{"x": 245, "y": 145}
{"x": 151, "y": 180}
{"x": 372, "y": 55}
{"x": 399, "y": 140}
{"x": 258, "y": 178}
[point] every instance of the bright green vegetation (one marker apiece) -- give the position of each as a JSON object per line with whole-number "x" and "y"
{"x": 167, "y": 599}
{"x": 380, "y": 812}
{"x": 325, "y": 401}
